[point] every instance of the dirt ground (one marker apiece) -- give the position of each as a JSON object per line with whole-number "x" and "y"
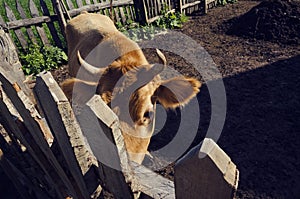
{"x": 262, "y": 81}
{"x": 261, "y": 131}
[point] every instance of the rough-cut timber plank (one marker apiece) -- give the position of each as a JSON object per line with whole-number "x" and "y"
{"x": 70, "y": 4}
{"x": 58, "y": 6}
{"x": 115, "y": 14}
{"x": 123, "y": 16}
{"x": 50, "y": 25}
{"x": 141, "y": 11}
{"x": 11, "y": 17}
{"x": 67, "y": 132}
{"x": 9, "y": 60}
{"x": 16, "y": 177}
{"x": 21, "y": 11}
{"x": 107, "y": 153}
{"x": 79, "y": 3}
{"x": 18, "y": 154}
{"x": 206, "y": 172}
{"x": 2, "y": 23}
{"x": 8, "y": 52}
{"x": 11, "y": 127}
{"x": 185, "y": 6}
{"x": 98, "y": 6}
{"x": 34, "y": 125}
{"x": 130, "y": 13}
{"x": 35, "y": 13}
{"x": 16, "y": 24}
{"x": 153, "y": 184}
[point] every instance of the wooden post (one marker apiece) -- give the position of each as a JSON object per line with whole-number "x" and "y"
{"x": 205, "y": 6}
{"x": 92, "y": 118}
{"x": 35, "y": 141}
{"x": 61, "y": 19}
{"x": 180, "y": 6}
{"x": 75, "y": 151}
{"x": 140, "y": 11}
{"x": 10, "y": 62}
{"x": 206, "y": 172}
{"x": 15, "y": 175}
{"x": 139, "y": 177}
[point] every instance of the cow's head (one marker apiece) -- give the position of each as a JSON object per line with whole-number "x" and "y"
{"x": 132, "y": 93}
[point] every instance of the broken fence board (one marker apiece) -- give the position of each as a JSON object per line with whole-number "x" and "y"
{"x": 97, "y": 121}
{"x": 34, "y": 125}
{"x": 11, "y": 127}
{"x": 15, "y": 176}
{"x": 206, "y": 172}
{"x": 61, "y": 119}
{"x": 139, "y": 177}
{"x": 153, "y": 184}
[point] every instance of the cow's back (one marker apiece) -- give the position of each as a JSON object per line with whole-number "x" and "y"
{"x": 83, "y": 33}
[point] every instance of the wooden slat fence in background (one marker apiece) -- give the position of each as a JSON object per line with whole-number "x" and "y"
{"x": 44, "y": 20}
{"x": 42, "y": 23}
{"x": 32, "y": 27}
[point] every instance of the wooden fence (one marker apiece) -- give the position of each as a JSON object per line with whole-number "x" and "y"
{"x": 44, "y": 152}
{"x": 44, "y": 22}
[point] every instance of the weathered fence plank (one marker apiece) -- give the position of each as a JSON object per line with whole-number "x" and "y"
{"x": 17, "y": 24}
{"x": 10, "y": 126}
{"x": 69, "y": 4}
{"x": 120, "y": 176}
{"x": 2, "y": 23}
{"x": 50, "y": 24}
{"x": 98, "y": 6}
{"x": 18, "y": 32}
{"x": 30, "y": 33}
{"x": 9, "y": 60}
{"x": 35, "y": 13}
{"x": 206, "y": 171}
{"x": 139, "y": 177}
{"x": 15, "y": 176}
{"x": 140, "y": 11}
{"x": 152, "y": 183}
{"x": 67, "y": 133}
{"x": 123, "y": 16}
{"x": 59, "y": 9}
{"x": 79, "y": 3}
{"x": 17, "y": 153}
{"x": 34, "y": 125}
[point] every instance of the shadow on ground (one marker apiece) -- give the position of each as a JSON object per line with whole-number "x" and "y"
{"x": 262, "y": 129}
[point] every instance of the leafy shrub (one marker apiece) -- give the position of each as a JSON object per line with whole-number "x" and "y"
{"x": 224, "y": 2}
{"x": 37, "y": 59}
{"x": 167, "y": 20}
{"x": 136, "y": 31}
{"x": 171, "y": 20}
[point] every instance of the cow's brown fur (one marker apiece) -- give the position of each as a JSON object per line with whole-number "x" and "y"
{"x": 84, "y": 33}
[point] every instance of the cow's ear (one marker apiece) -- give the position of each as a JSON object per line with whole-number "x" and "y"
{"x": 79, "y": 91}
{"x": 177, "y": 91}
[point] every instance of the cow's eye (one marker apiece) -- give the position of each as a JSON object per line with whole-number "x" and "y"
{"x": 148, "y": 114}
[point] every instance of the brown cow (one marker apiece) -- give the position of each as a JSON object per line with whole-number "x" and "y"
{"x": 114, "y": 67}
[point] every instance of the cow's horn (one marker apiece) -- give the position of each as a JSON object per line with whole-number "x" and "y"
{"x": 161, "y": 56}
{"x": 88, "y": 67}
